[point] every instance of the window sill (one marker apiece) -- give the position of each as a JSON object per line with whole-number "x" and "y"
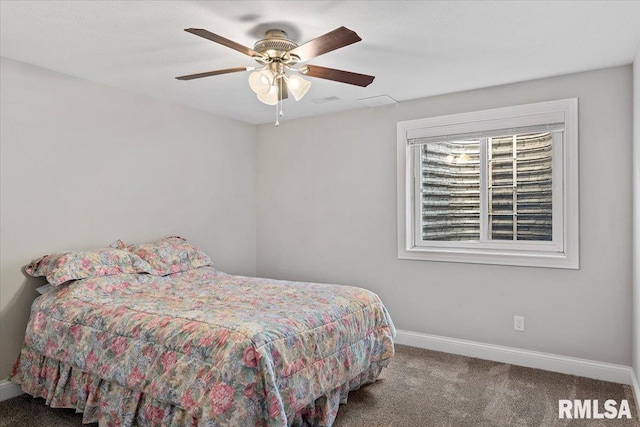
{"x": 493, "y": 257}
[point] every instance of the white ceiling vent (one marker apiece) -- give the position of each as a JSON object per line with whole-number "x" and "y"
{"x": 325, "y": 100}
{"x": 376, "y": 101}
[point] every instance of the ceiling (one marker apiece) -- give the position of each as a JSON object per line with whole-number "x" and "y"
{"x": 415, "y": 49}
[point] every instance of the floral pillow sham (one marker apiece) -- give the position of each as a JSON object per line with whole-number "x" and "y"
{"x": 75, "y": 265}
{"x": 171, "y": 255}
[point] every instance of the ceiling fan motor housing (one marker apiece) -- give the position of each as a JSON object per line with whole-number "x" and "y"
{"x": 275, "y": 44}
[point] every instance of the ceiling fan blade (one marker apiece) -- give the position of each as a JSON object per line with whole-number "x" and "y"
{"x": 340, "y": 37}
{"x": 223, "y": 41}
{"x": 348, "y": 77}
{"x": 214, "y": 73}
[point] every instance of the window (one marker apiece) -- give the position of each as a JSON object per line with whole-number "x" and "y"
{"x": 495, "y": 187}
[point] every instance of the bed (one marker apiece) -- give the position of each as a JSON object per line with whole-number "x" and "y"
{"x": 199, "y": 347}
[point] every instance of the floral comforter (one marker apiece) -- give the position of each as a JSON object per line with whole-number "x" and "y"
{"x": 203, "y": 348}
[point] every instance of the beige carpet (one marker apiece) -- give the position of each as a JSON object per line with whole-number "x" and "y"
{"x": 424, "y": 388}
{"x": 428, "y": 388}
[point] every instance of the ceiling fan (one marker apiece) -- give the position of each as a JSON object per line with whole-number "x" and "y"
{"x": 280, "y": 63}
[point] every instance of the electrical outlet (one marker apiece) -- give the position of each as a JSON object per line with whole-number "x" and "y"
{"x": 518, "y": 323}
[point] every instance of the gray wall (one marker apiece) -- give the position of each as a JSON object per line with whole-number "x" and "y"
{"x": 83, "y": 165}
{"x": 327, "y": 213}
{"x": 636, "y": 216}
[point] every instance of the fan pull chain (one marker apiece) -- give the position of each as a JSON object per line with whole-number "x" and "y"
{"x": 279, "y": 101}
{"x": 281, "y": 113}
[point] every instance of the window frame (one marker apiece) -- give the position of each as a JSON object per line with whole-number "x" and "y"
{"x": 561, "y": 252}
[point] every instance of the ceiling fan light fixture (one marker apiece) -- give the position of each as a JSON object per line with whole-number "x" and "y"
{"x": 298, "y": 86}
{"x": 269, "y": 98}
{"x": 261, "y": 82}
{"x": 277, "y": 56}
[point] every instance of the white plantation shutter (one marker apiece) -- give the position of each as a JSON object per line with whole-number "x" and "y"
{"x": 518, "y": 185}
{"x": 450, "y": 190}
{"x": 495, "y": 186}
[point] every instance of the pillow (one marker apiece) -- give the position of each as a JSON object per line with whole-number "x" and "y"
{"x": 171, "y": 255}
{"x": 74, "y": 265}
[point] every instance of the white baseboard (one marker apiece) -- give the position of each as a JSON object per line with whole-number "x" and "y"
{"x": 636, "y": 390}
{"x": 514, "y": 356}
{"x": 9, "y": 390}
